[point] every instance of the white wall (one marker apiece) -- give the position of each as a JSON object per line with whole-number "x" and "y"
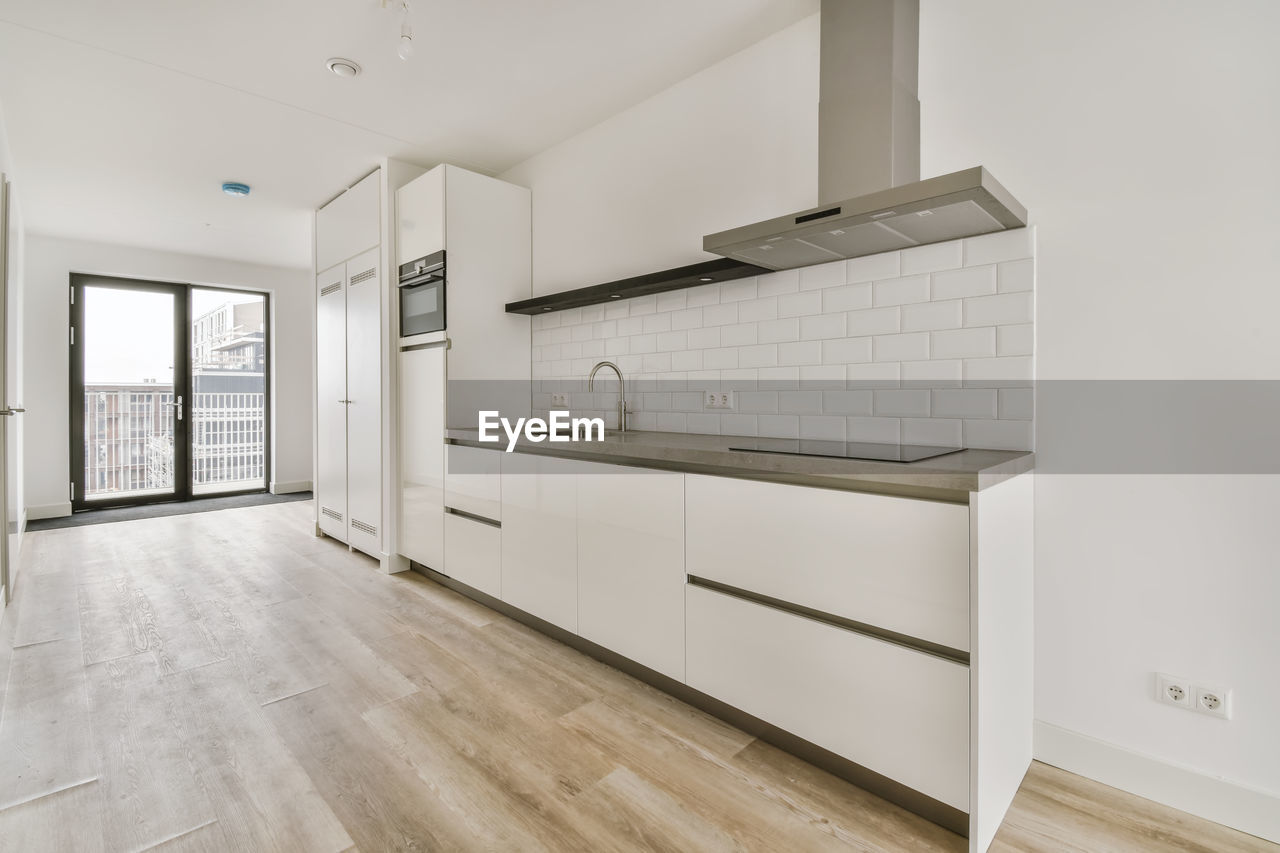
{"x": 51, "y": 260}
{"x": 1142, "y": 137}
{"x": 730, "y": 145}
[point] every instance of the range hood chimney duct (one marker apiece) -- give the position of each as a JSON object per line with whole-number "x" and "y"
{"x": 871, "y": 198}
{"x": 868, "y": 108}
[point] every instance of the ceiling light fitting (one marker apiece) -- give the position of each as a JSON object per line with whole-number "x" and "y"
{"x": 343, "y": 67}
{"x": 405, "y": 49}
{"x": 234, "y": 188}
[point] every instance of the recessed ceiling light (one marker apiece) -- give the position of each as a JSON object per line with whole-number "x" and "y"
{"x": 343, "y": 67}
{"x": 705, "y": 278}
{"x": 615, "y": 296}
{"x": 234, "y": 188}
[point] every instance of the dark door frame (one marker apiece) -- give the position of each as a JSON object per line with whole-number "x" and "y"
{"x": 183, "y": 436}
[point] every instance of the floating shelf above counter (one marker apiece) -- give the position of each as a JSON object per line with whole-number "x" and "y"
{"x": 693, "y": 275}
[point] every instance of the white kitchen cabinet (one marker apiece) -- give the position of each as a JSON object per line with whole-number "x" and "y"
{"x": 422, "y": 450}
{"x": 473, "y": 553}
{"x": 895, "y": 563}
{"x": 331, "y": 411}
{"x": 349, "y": 225}
{"x": 539, "y": 537}
{"x": 349, "y": 403}
{"x": 897, "y": 711}
{"x": 631, "y": 564}
{"x": 420, "y": 217}
{"x": 472, "y": 481}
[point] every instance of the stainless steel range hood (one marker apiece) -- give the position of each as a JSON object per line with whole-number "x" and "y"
{"x": 872, "y": 198}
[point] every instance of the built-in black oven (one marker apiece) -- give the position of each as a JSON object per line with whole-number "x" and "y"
{"x": 422, "y": 289}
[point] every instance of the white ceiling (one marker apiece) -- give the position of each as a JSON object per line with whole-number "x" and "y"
{"x": 124, "y": 116}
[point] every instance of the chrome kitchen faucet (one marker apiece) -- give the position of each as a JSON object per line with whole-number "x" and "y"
{"x": 622, "y": 392}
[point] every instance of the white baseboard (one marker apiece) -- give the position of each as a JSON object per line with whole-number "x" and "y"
{"x": 48, "y": 511}
{"x": 290, "y": 488}
{"x": 1241, "y": 807}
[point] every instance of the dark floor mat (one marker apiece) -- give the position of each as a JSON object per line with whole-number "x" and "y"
{"x": 130, "y": 513}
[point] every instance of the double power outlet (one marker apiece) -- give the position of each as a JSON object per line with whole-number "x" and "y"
{"x": 1181, "y": 693}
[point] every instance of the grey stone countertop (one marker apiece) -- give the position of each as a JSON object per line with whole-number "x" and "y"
{"x": 952, "y": 477}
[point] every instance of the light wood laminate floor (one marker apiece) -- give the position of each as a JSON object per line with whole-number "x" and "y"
{"x": 226, "y": 681}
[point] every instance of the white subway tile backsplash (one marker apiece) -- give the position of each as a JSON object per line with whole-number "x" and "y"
{"x": 778, "y": 426}
{"x": 720, "y": 315}
{"x": 939, "y": 256}
{"x": 913, "y": 346}
{"x": 704, "y": 338}
{"x": 800, "y": 304}
{"x": 901, "y": 403}
{"x": 1005, "y": 309}
{"x": 848, "y": 401}
{"x": 822, "y": 428}
{"x": 851, "y": 297}
{"x": 742, "y": 334}
{"x": 822, "y": 326}
{"x": 1016, "y": 276}
{"x": 963, "y": 403}
{"x": 873, "y": 267}
{"x": 878, "y": 430}
{"x": 1015, "y": 340}
{"x": 801, "y": 352}
{"x": 737, "y": 291}
{"x": 754, "y": 310}
{"x": 672, "y": 300}
{"x": 931, "y": 345}
{"x": 778, "y": 331}
{"x": 799, "y": 402}
{"x": 901, "y": 291}
{"x": 706, "y": 294}
{"x": 1001, "y": 246}
{"x": 929, "y": 316}
{"x": 720, "y": 359}
{"x": 823, "y": 275}
{"x": 763, "y": 355}
{"x": 964, "y": 343}
{"x": 957, "y": 284}
{"x": 846, "y": 350}
{"x": 940, "y": 432}
{"x": 873, "y": 321}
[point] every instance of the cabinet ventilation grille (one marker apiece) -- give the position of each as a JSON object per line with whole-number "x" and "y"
{"x": 332, "y": 513}
{"x": 364, "y": 276}
{"x": 364, "y": 527}
{"x": 332, "y": 288}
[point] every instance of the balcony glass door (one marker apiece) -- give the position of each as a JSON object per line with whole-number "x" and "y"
{"x": 168, "y": 392}
{"x": 128, "y": 343}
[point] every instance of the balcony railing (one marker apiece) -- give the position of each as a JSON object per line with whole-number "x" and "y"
{"x": 129, "y": 439}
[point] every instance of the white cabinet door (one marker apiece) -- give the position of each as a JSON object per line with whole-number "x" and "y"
{"x": 895, "y": 563}
{"x": 421, "y": 528}
{"x": 473, "y": 553}
{"x": 539, "y": 537}
{"x": 364, "y": 411}
{"x": 631, "y": 564}
{"x": 331, "y": 407}
{"x": 899, "y": 712}
{"x": 349, "y": 225}
{"x": 420, "y": 216}
{"x": 472, "y": 481}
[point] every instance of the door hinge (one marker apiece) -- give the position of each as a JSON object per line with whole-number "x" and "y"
{"x": 73, "y": 335}
{"x": 73, "y": 490}
{"x": 73, "y": 296}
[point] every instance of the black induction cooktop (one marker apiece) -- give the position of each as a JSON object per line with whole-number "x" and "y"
{"x": 844, "y": 449}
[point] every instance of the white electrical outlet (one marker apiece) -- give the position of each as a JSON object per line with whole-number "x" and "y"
{"x": 1173, "y": 690}
{"x": 719, "y": 400}
{"x": 1214, "y": 701}
{"x": 560, "y": 399}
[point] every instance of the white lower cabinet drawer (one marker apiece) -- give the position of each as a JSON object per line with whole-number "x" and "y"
{"x": 473, "y": 553}
{"x": 899, "y": 712}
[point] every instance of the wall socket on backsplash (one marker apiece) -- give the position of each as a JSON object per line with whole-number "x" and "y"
{"x": 1181, "y": 693}
{"x": 560, "y": 399}
{"x": 719, "y": 400}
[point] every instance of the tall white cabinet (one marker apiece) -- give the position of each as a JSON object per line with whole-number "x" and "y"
{"x": 355, "y": 369}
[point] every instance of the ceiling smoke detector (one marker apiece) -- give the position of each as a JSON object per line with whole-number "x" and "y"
{"x": 343, "y": 67}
